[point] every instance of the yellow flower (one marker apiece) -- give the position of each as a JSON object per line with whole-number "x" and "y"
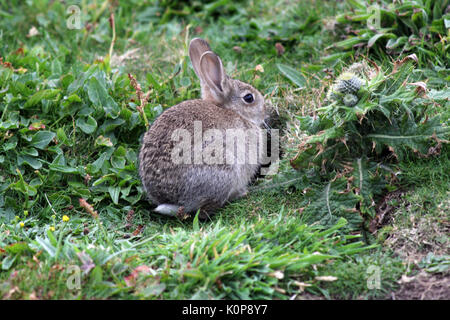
{"x": 66, "y": 218}
{"x": 22, "y": 224}
{"x": 52, "y": 229}
{"x": 25, "y": 213}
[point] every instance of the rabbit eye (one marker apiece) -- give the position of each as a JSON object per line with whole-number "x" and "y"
{"x": 249, "y": 98}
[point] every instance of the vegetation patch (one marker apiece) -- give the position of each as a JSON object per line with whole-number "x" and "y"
{"x": 357, "y": 210}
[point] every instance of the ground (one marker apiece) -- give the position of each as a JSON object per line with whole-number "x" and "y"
{"x": 74, "y": 221}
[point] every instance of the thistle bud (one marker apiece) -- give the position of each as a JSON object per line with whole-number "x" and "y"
{"x": 348, "y": 83}
{"x": 350, "y": 100}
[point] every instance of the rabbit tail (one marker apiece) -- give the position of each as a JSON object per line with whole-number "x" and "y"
{"x": 167, "y": 209}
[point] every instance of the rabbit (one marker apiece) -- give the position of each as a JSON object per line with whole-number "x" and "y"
{"x": 226, "y": 105}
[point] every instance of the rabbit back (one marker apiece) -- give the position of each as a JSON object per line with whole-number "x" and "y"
{"x": 192, "y": 185}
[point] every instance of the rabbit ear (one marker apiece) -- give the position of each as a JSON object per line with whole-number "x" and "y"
{"x": 197, "y": 48}
{"x": 213, "y": 74}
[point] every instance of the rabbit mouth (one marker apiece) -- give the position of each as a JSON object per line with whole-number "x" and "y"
{"x": 259, "y": 122}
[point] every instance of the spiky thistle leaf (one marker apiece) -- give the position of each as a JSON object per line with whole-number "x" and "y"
{"x": 332, "y": 202}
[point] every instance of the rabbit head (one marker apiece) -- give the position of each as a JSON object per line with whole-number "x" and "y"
{"x": 218, "y": 88}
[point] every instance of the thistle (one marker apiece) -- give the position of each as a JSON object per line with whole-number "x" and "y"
{"x": 348, "y": 83}
{"x": 350, "y": 100}
{"x": 346, "y": 88}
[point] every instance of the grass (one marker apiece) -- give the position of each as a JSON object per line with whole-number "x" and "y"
{"x": 70, "y": 129}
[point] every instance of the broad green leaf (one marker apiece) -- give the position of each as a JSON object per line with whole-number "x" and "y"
{"x": 110, "y": 125}
{"x": 108, "y": 177}
{"x": 8, "y": 261}
{"x": 32, "y": 162}
{"x": 395, "y": 43}
{"x": 63, "y": 168}
{"x": 292, "y": 74}
{"x": 56, "y": 67}
{"x": 11, "y": 144}
{"x": 41, "y": 139}
{"x": 52, "y": 238}
{"x": 98, "y": 164}
{"x": 101, "y": 141}
{"x": 114, "y": 192}
{"x": 73, "y": 98}
{"x": 30, "y": 152}
{"x": 24, "y": 187}
{"x": 96, "y": 92}
{"x": 154, "y": 290}
{"x": 40, "y": 95}
{"x": 375, "y": 38}
{"x": 335, "y": 56}
{"x": 99, "y": 96}
{"x": 62, "y": 137}
{"x": 118, "y": 162}
{"x": 96, "y": 275}
{"x": 9, "y": 124}
{"x": 46, "y": 245}
{"x": 120, "y": 152}
{"x": 348, "y": 43}
{"x": 87, "y": 124}
{"x": 357, "y": 4}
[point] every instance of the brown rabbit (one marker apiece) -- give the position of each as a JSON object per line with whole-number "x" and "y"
{"x": 228, "y": 107}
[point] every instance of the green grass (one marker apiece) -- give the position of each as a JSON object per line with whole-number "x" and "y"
{"x": 70, "y": 128}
